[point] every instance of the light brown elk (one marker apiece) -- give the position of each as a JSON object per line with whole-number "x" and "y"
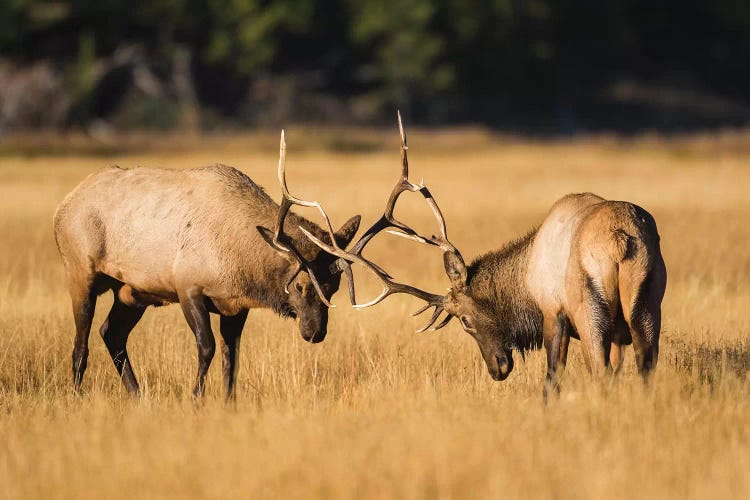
{"x": 198, "y": 237}
{"x": 592, "y": 270}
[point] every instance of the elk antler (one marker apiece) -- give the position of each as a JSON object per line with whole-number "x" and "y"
{"x": 387, "y": 220}
{"x": 281, "y": 241}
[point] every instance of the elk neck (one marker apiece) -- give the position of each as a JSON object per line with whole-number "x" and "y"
{"x": 497, "y": 279}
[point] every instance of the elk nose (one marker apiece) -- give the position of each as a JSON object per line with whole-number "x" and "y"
{"x": 504, "y": 366}
{"x": 316, "y": 337}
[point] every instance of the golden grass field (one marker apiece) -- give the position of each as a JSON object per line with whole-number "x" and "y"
{"x": 377, "y": 410}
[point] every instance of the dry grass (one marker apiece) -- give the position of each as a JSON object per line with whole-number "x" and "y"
{"x": 377, "y": 410}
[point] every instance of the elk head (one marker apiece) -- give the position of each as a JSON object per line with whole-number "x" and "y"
{"x": 475, "y": 312}
{"x": 311, "y": 282}
{"x": 475, "y": 306}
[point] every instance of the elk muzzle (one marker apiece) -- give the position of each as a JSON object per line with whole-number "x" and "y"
{"x": 313, "y": 327}
{"x": 500, "y": 365}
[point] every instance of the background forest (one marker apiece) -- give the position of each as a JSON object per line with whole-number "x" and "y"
{"x": 535, "y": 66}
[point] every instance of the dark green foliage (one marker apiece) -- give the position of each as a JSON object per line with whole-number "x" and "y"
{"x": 546, "y": 64}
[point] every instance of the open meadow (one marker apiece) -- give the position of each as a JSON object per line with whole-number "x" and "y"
{"x": 377, "y": 410}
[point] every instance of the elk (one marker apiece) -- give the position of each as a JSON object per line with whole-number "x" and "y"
{"x": 592, "y": 270}
{"x": 200, "y": 237}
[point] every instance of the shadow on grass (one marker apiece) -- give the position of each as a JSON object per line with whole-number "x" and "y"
{"x": 708, "y": 363}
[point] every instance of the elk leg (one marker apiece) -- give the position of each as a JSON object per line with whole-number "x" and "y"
{"x": 83, "y": 298}
{"x": 644, "y": 318}
{"x": 562, "y": 358}
{"x": 193, "y": 304}
{"x": 595, "y": 345}
{"x": 115, "y": 331}
{"x": 231, "y": 331}
{"x": 556, "y": 341}
{"x": 616, "y": 355}
{"x": 620, "y": 339}
{"x": 596, "y": 321}
{"x": 645, "y": 326}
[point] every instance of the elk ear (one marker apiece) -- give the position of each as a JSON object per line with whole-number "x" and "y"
{"x": 346, "y": 233}
{"x": 456, "y": 270}
{"x": 267, "y": 235}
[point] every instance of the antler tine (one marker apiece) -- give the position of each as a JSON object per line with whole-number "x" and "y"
{"x": 280, "y": 240}
{"x": 404, "y": 147}
{"x": 287, "y": 200}
{"x": 285, "y": 204}
{"x": 435, "y": 315}
{"x": 387, "y": 220}
{"x": 439, "y": 241}
{"x": 389, "y": 285}
{"x": 445, "y": 321}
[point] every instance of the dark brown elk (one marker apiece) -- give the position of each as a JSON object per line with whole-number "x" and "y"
{"x": 592, "y": 270}
{"x": 199, "y": 237}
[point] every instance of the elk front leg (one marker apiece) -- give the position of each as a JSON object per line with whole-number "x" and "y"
{"x": 193, "y": 304}
{"x": 556, "y": 341}
{"x": 231, "y": 331}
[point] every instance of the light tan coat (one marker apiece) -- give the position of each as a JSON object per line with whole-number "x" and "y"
{"x": 197, "y": 237}
{"x": 592, "y": 270}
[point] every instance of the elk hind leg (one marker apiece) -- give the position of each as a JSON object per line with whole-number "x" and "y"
{"x": 645, "y": 322}
{"x": 616, "y": 355}
{"x": 593, "y": 322}
{"x": 620, "y": 339}
{"x": 115, "y": 331}
{"x": 83, "y": 299}
{"x": 193, "y": 304}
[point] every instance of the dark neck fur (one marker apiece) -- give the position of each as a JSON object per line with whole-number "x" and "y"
{"x": 497, "y": 279}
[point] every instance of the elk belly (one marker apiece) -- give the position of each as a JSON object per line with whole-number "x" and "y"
{"x": 133, "y": 298}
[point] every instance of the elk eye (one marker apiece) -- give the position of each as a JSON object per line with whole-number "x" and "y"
{"x": 298, "y": 286}
{"x": 466, "y": 322}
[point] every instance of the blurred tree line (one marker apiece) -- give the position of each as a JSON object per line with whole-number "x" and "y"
{"x": 535, "y": 65}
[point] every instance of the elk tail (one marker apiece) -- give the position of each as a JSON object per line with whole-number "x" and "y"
{"x": 623, "y": 245}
